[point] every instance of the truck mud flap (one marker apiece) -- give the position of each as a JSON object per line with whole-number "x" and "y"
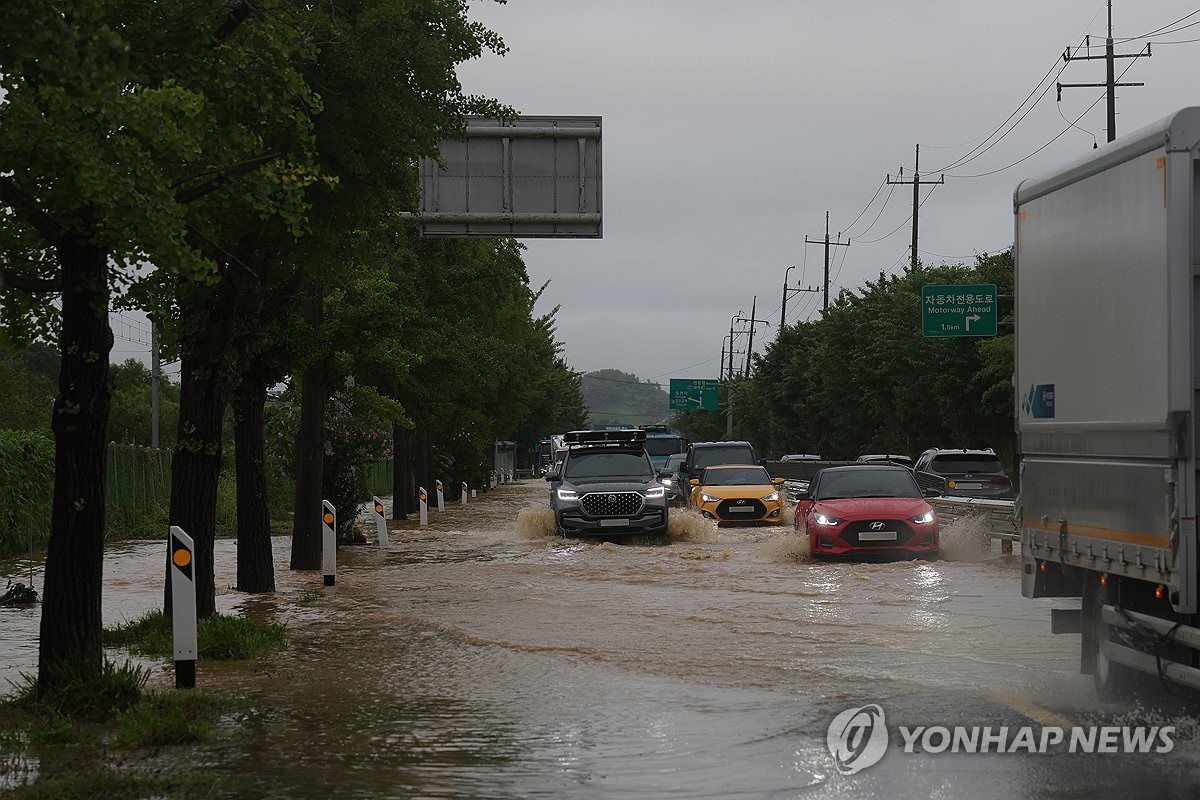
{"x": 1155, "y": 634}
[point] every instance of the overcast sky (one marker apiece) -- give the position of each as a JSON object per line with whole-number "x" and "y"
{"x": 731, "y": 128}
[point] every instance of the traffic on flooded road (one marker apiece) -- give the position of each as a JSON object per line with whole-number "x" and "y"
{"x": 485, "y": 656}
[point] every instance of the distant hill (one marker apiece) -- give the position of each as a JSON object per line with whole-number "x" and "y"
{"x": 619, "y": 398}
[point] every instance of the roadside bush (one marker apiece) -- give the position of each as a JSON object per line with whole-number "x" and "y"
{"x": 27, "y": 486}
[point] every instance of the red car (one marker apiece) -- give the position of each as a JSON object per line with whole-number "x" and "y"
{"x": 867, "y": 510}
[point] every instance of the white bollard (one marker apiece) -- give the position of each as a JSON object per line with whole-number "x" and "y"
{"x": 183, "y": 606}
{"x": 380, "y": 523}
{"x": 441, "y": 497}
{"x": 464, "y": 493}
{"x": 472, "y": 493}
{"x": 424, "y": 507}
{"x": 329, "y": 542}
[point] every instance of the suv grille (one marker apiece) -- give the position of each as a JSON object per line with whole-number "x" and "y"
{"x": 612, "y": 504}
{"x": 728, "y": 509}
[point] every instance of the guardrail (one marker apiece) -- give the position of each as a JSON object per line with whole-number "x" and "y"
{"x": 998, "y": 516}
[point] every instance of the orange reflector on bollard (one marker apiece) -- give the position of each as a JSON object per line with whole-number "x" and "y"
{"x": 181, "y": 557}
{"x": 379, "y": 508}
{"x": 328, "y": 518}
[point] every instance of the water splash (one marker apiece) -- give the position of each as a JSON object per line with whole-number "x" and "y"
{"x": 786, "y": 549}
{"x": 535, "y": 523}
{"x": 687, "y": 525}
{"x": 966, "y": 539}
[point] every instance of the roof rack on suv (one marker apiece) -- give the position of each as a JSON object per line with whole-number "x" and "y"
{"x": 626, "y": 436}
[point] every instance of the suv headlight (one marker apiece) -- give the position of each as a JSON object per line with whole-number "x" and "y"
{"x": 772, "y": 497}
{"x": 653, "y": 492}
{"x": 928, "y": 516}
{"x": 568, "y": 494}
{"x": 708, "y": 498}
{"x": 825, "y": 519}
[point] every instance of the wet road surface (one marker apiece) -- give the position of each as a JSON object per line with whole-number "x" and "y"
{"x": 484, "y": 657}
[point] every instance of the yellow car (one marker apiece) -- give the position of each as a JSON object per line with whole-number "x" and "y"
{"x": 738, "y": 493}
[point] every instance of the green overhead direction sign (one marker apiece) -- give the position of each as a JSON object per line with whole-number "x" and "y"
{"x": 968, "y": 310}
{"x": 689, "y": 394}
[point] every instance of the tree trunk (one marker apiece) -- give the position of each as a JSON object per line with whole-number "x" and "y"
{"x": 402, "y": 485}
{"x": 424, "y": 459}
{"x": 71, "y": 623}
{"x": 207, "y": 321}
{"x": 310, "y": 450}
{"x": 196, "y": 470}
{"x": 255, "y": 567}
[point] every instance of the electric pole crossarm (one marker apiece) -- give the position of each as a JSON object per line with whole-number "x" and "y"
{"x": 1110, "y": 84}
{"x": 827, "y": 243}
{"x": 916, "y": 184}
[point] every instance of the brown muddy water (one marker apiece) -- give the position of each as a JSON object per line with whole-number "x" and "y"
{"x": 485, "y": 657}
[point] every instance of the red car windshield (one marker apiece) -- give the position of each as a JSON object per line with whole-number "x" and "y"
{"x": 844, "y": 483}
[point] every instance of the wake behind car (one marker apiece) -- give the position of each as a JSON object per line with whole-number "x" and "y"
{"x": 867, "y": 509}
{"x": 734, "y": 493}
{"x": 606, "y": 486}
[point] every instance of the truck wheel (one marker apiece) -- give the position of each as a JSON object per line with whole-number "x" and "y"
{"x": 1113, "y": 680}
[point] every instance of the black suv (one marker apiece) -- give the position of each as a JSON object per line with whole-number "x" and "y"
{"x": 606, "y": 486}
{"x": 712, "y": 454}
{"x": 967, "y": 473}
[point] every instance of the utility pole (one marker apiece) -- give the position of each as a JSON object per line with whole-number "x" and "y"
{"x": 750, "y": 346}
{"x": 838, "y": 243}
{"x": 916, "y": 184}
{"x": 1110, "y": 84}
{"x": 786, "y": 291}
{"x": 155, "y": 375}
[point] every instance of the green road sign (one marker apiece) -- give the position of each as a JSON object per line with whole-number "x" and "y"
{"x": 959, "y": 310}
{"x": 688, "y": 394}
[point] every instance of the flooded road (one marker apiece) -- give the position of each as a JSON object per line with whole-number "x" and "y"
{"x": 484, "y": 657}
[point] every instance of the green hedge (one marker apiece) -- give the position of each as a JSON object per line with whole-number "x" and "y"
{"x": 27, "y": 486}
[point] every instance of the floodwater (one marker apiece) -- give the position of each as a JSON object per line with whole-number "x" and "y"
{"x": 484, "y": 657}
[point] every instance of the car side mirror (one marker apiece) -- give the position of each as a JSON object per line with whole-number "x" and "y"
{"x": 932, "y": 493}
{"x": 665, "y": 473}
{"x": 551, "y": 475}
{"x": 778, "y": 481}
{"x": 694, "y": 481}
{"x": 804, "y": 505}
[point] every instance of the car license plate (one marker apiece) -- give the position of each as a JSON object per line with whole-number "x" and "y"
{"x": 877, "y": 536}
{"x": 747, "y": 509}
{"x": 965, "y": 485}
{"x": 614, "y": 523}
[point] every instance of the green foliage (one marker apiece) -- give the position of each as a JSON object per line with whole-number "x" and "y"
{"x": 53, "y": 729}
{"x": 129, "y": 417}
{"x": 26, "y": 394}
{"x": 27, "y": 485}
{"x": 618, "y": 398}
{"x": 171, "y": 718}
{"x": 18, "y": 594}
{"x": 84, "y": 689}
{"x": 218, "y": 638}
{"x": 864, "y": 379}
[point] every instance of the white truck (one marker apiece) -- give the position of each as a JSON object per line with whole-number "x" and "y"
{"x": 1107, "y": 255}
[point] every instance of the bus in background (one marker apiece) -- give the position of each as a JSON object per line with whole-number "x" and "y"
{"x": 663, "y": 441}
